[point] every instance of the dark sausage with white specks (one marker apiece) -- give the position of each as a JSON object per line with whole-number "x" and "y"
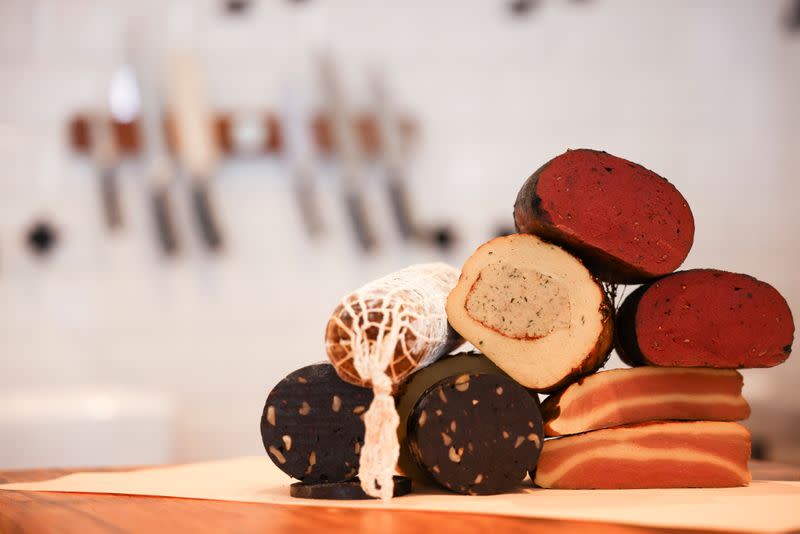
{"x": 350, "y": 490}
{"x": 312, "y": 425}
{"x": 476, "y": 433}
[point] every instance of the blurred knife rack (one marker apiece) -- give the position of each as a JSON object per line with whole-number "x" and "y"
{"x": 154, "y": 134}
{"x": 128, "y": 135}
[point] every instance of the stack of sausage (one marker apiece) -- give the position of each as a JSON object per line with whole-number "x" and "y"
{"x": 536, "y": 307}
{"x": 669, "y": 420}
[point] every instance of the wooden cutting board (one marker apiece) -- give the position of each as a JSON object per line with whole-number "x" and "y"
{"x": 23, "y": 511}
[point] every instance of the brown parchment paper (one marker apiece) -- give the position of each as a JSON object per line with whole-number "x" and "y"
{"x": 764, "y": 506}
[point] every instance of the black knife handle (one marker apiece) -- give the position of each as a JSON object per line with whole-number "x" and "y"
{"x": 309, "y": 207}
{"x": 357, "y": 213}
{"x": 205, "y": 217}
{"x": 165, "y": 221}
{"x": 401, "y": 208}
{"x": 109, "y": 199}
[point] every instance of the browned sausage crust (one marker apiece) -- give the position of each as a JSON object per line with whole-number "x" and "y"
{"x": 627, "y": 223}
{"x": 534, "y": 310}
{"x": 705, "y": 318}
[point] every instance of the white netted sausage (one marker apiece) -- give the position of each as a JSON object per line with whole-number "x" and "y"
{"x": 380, "y": 334}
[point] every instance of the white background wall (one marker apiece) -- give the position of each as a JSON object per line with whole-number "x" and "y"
{"x": 704, "y": 93}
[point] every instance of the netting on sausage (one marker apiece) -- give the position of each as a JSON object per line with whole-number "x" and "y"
{"x": 384, "y": 331}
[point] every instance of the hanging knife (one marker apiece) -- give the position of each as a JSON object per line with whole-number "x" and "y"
{"x": 391, "y": 152}
{"x": 105, "y": 154}
{"x": 159, "y": 166}
{"x": 346, "y": 144}
{"x": 298, "y": 151}
{"x": 197, "y": 149}
{"x": 392, "y": 155}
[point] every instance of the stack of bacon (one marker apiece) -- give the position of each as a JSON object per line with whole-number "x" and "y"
{"x": 647, "y": 427}
{"x": 669, "y": 421}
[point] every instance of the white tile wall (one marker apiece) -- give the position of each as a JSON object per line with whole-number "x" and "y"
{"x": 705, "y": 93}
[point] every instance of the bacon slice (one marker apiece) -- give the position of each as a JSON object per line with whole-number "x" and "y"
{"x": 623, "y": 396}
{"x": 697, "y": 454}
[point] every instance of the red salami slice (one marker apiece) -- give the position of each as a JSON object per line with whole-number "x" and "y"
{"x": 627, "y": 223}
{"x": 705, "y": 318}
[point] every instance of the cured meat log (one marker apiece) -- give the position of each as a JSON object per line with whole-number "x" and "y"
{"x": 627, "y": 223}
{"x": 312, "y": 426}
{"x": 705, "y": 318}
{"x": 534, "y": 310}
{"x": 413, "y": 388}
{"x": 380, "y": 334}
{"x": 476, "y": 433}
{"x": 698, "y": 454}
{"x": 623, "y": 396}
{"x": 404, "y": 309}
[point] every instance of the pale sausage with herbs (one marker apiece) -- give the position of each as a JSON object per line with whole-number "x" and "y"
{"x": 534, "y": 310}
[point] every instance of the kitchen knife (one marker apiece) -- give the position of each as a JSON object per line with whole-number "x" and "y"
{"x": 159, "y": 165}
{"x": 299, "y": 156}
{"x": 392, "y": 155}
{"x": 197, "y": 149}
{"x": 105, "y": 155}
{"x": 391, "y": 151}
{"x": 349, "y": 150}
